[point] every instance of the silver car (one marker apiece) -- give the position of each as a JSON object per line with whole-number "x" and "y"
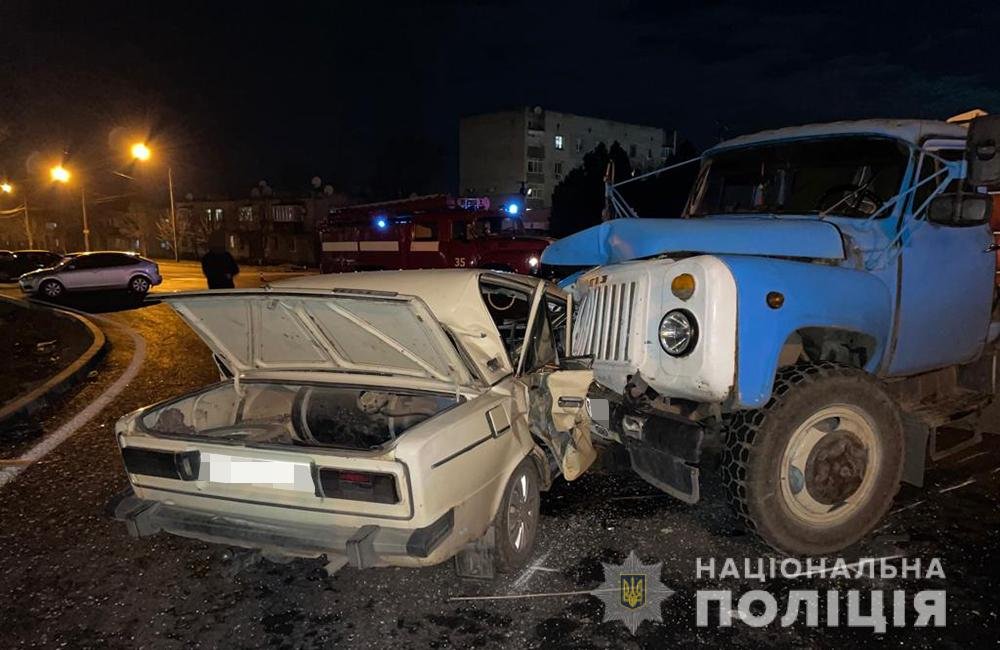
{"x": 91, "y": 272}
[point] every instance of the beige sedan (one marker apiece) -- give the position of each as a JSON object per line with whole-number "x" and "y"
{"x": 387, "y": 418}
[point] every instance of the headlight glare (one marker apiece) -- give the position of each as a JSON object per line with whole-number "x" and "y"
{"x": 678, "y": 333}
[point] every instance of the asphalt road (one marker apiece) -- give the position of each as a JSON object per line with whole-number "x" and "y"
{"x": 71, "y": 577}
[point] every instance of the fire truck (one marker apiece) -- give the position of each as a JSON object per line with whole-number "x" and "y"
{"x": 429, "y": 232}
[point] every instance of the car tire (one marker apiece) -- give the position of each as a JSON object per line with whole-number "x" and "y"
{"x": 139, "y": 285}
{"x": 516, "y": 521}
{"x": 815, "y": 469}
{"x": 51, "y": 290}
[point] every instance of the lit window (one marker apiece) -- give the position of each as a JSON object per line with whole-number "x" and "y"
{"x": 246, "y": 213}
{"x": 218, "y": 214}
{"x": 559, "y": 142}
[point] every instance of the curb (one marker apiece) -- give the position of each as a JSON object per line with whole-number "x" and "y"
{"x": 65, "y": 378}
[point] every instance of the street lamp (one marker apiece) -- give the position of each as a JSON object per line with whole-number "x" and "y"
{"x": 60, "y": 174}
{"x": 7, "y": 188}
{"x": 141, "y": 152}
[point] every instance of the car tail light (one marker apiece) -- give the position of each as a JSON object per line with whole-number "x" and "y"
{"x": 358, "y": 486}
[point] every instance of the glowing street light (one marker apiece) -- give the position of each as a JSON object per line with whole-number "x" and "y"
{"x": 6, "y": 188}
{"x": 59, "y": 174}
{"x": 140, "y": 151}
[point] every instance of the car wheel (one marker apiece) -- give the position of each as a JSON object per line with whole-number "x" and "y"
{"x": 817, "y": 468}
{"x": 51, "y": 289}
{"x": 139, "y": 285}
{"x": 516, "y": 522}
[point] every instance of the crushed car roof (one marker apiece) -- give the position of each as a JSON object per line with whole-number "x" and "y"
{"x": 914, "y": 131}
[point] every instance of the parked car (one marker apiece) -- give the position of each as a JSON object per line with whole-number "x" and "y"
{"x": 91, "y": 272}
{"x": 15, "y": 264}
{"x": 824, "y": 308}
{"x": 380, "y": 418}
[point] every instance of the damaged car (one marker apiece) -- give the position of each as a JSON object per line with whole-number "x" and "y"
{"x": 387, "y": 418}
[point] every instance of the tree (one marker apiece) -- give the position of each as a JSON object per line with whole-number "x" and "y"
{"x": 577, "y": 201}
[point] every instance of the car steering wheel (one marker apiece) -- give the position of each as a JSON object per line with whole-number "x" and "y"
{"x": 850, "y": 198}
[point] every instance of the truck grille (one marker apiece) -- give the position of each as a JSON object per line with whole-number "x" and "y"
{"x": 604, "y": 322}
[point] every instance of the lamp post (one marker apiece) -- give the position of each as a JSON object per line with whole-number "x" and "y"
{"x": 7, "y": 188}
{"x": 60, "y": 174}
{"x": 141, "y": 152}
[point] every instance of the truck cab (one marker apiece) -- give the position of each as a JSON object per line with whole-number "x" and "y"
{"x": 824, "y": 306}
{"x": 428, "y": 233}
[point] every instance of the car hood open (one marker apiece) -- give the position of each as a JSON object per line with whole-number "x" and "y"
{"x": 628, "y": 239}
{"x": 261, "y": 331}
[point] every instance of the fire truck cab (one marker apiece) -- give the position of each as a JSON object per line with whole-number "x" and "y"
{"x": 427, "y": 233}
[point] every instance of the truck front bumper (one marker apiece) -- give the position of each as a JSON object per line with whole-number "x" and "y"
{"x": 364, "y": 546}
{"x": 665, "y": 451}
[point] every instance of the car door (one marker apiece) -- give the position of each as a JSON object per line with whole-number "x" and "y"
{"x": 556, "y": 389}
{"x": 81, "y": 272}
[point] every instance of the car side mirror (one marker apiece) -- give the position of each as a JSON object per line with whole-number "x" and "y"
{"x": 982, "y": 152}
{"x": 960, "y": 209}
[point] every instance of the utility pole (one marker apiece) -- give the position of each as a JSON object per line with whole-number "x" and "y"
{"x": 173, "y": 212}
{"x": 27, "y": 224}
{"x": 86, "y": 228}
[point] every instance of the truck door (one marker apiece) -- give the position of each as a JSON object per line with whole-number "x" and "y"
{"x": 946, "y": 285}
{"x": 460, "y": 252}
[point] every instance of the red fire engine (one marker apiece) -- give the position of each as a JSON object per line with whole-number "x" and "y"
{"x": 427, "y": 232}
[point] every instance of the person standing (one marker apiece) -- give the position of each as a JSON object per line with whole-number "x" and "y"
{"x": 218, "y": 265}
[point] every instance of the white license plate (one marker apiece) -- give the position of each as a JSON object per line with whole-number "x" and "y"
{"x": 283, "y": 475}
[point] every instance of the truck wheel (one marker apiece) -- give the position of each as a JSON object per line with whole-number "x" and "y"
{"x": 516, "y": 522}
{"x": 815, "y": 469}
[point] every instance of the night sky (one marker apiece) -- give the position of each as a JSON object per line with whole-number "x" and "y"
{"x": 234, "y": 93}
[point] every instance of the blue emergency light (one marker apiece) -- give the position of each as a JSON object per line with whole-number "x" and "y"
{"x": 513, "y": 209}
{"x": 381, "y": 223}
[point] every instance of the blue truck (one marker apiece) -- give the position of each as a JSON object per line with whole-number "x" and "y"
{"x": 821, "y": 318}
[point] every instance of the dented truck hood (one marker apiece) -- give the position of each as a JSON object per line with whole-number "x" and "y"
{"x": 261, "y": 331}
{"x": 629, "y": 239}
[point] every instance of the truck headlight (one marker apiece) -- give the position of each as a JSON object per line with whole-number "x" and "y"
{"x": 533, "y": 262}
{"x": 678, "y": 333}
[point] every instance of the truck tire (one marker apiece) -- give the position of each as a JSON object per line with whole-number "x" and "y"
{"x": 817, "y": 467}
{"x": 516, "y": 522}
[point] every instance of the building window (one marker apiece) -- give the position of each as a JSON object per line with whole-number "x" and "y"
{"x": 579, "y": 145}
{"x": 208, "y": 214}
{"x": 246, "y": 213}
{"x": 536, "y": 166}
{"x": 631, "y": 151}
{"x": 649, "y": 154}
{"x": 559, "y": 169}
{"x": 291, "y": 245}
{"x": 559, "y": 142}
{"x": 232, "y": 242}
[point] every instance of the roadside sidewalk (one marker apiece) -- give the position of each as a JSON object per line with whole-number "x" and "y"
{"x": 45, "y": 351}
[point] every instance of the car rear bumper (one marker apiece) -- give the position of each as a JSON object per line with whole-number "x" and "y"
{"x": 363, "y": 546}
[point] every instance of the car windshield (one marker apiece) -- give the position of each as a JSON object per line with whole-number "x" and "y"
{"x": 848, "y": 176}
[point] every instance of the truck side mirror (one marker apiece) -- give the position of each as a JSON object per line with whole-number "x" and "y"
{"x": 982, "y": 152}
{"x": 960, "y": 209}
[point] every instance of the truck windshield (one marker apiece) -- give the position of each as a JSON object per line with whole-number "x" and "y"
{"x": 847, "y": 176}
